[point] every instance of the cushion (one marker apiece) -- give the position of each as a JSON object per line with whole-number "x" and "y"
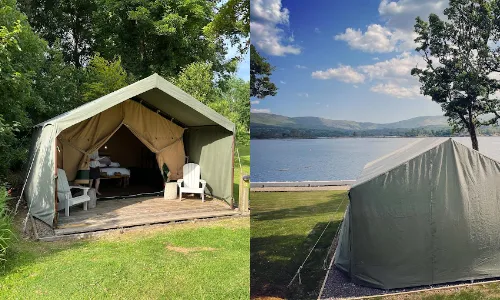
{"x": 105, "y": 160}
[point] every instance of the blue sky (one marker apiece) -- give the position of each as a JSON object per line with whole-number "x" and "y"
{"x": 346, "y": 60}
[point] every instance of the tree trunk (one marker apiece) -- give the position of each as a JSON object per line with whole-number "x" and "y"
{"x": 473, "y": 137}
{"x": 472, "y": 131}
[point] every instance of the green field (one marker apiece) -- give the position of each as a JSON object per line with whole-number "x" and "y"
{"x": 207, "y": 260}
{"x": 285, "y": 226}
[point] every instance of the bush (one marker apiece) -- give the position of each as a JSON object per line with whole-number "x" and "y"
{"x": 5, "y": 224}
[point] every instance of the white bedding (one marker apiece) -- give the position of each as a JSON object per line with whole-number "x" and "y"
{"x": 112, "y": 171}
{"x": 112, "y": 165}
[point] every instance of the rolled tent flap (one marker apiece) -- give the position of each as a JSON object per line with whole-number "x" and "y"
{"x": 161, "y": 136}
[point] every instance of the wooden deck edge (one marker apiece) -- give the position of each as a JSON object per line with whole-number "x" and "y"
{"x": 78, "y": 233}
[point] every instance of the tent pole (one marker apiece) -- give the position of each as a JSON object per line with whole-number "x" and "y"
{"x": 232, "y": 177}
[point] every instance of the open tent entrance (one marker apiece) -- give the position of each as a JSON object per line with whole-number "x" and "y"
{"x": 133, "y": 170}
{"x": 158, "y": 116}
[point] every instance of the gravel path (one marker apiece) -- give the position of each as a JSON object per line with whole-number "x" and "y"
{"x": 338, "y": 286}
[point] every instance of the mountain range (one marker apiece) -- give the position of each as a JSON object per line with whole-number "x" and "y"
{"x": 264, "y": 119}
{"x": 264, "y": 125}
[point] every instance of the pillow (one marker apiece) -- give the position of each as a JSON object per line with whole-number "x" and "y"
{"x": 114, "y": 164}
{"x": 101, "y": 165}
{"x": 105, "y": 160}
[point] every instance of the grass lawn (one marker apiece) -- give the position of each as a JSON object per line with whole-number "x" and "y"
{"x": 285, "y": 226}
{"x": 245, "y": 166}
{"x": 204, "y": 260}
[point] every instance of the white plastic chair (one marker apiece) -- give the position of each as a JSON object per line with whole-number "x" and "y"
{"x": 64, "y": 195}
{"x": 191, "y": 182}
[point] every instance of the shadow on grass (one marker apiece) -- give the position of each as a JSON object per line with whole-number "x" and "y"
{"x": 299, "y": 211}
{"x": 275, "y": 260}
{"x": 23, "y": 253}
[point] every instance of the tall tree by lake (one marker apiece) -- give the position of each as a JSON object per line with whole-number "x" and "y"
{"x": 260, "y": 72}
{"x": 462, "y": 63}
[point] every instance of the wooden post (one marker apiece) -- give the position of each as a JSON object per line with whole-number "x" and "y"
{"x": 244, "y": 193}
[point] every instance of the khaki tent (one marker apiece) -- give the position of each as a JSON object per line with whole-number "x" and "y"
{"x": 165, "y": 119}
{"x": 426, "y": 214}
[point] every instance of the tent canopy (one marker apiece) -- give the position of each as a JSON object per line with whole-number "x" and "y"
{"x": 159, "y": 114}
{"x": 157, "y": 92}
{"x": 425, "y": 214}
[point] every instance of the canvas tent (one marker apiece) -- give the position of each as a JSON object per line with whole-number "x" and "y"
{"x": 426, "y": 214}
{"x": 168, "y": 121}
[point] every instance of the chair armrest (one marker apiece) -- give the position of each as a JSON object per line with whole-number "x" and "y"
{"x": 180, "y": 182}
{"x": 84, "y": 188}
{"x": 203, "y": 183}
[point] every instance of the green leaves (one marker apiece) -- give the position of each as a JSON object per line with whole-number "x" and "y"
{"x": 103, "y": 77}
{"x": 260, "y": 70}
{"x": 461, "y": 55}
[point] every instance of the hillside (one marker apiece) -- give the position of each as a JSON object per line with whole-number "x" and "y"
{"x": 269, "y": 126}
{"x": 259, "y": 119}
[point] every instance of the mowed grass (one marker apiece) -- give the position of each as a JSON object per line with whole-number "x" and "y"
{"x": 244, "y": 152}
{"x": 284, "y": 227}
{"x": 204, "y": 260}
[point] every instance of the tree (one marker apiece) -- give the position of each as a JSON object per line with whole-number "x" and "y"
{"x": 21, "y": 56}
{"x": 103, "y": 77}
{"x": 260, "y": 70}
{"x": 232, "y": 21}
{"x": 160, "y": 36}
{"x": 66, "y": 22}
{"x": 197, "y": 79}
{"x": 461, "y": 63}
{"x": 236, "y": 94}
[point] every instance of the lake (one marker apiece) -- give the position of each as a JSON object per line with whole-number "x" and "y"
{"x": 332, "y": 159}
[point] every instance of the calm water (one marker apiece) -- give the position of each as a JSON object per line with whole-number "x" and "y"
{"x": 331, "y": 159}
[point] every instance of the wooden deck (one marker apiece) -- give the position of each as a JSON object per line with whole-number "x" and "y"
{"x": 121, "y": 213}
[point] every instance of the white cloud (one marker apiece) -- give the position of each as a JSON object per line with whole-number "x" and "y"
{"x": 306, "y": 95}
{"x": 343, "y": 73}
{"x": 396, "y": 32}
{"x": 355, "y": 86}
{"x": 255, "y": 102}
{"x": 376, "y": 58}
{"x": 300, "y": 67}
{"x": 316, "y": 30}
{"x": 377, "y": 38}
{"x": 401, "y": 14}
{"x": 391, "y": 77}
{"x": 261, "y": 110}
{"x": 282, "y": 82}
{"x": 267, "y": 19}
{"x": 397, "y": 68}
{"x": 397, "y": 90}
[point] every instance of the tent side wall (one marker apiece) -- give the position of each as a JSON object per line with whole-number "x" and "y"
{"x": 211, "y": 147}
{"x": 391, "y": 227}
{"x": 431, "y": 220}
{"x": 342, "y": 257}
{"x": 40, "y": 184}
{"x": 465, "y": 218}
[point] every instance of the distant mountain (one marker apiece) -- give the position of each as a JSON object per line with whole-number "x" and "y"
{"x": 271, "y": 126}
{"x": 263, "y": 119}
